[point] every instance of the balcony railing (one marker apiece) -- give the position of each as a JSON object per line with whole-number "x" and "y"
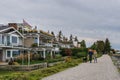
{"x": 11, "y": 45}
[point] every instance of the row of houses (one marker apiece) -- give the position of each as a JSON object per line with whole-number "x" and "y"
{"x": 17, "y": 38}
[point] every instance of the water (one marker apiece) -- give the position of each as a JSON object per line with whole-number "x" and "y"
{"x": 116, "y": 60}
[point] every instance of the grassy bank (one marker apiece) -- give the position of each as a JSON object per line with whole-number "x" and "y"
{"x": 39, "y": 74}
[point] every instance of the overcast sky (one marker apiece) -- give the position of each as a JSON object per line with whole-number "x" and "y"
{"x": 90, "y": 20}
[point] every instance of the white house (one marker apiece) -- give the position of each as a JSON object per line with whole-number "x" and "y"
{"x": 11, "y": 42}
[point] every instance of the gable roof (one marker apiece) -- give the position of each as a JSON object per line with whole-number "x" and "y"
{"x": 7, "y": 28}
{"x": 3, "y": 27}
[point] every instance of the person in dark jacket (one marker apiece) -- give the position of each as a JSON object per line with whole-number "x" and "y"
{"x": 90, "y": 53}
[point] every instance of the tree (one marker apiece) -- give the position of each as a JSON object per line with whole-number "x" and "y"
{"x": 68, "y": 52}
{"x": 100, "y": 46}
{"x": 71, "y": 38}
{"x": 60, "y": 36}
{"x": 54, "y": 39}
{"x": 76, "y": 39}
{"x": 52, "y": 33}
{"x": 83, "y": 44}
{"x": 94, "y": 46}
{"x": 107, "y": 46}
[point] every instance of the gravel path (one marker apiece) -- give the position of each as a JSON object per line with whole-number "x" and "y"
{"x": 103, "y": 70}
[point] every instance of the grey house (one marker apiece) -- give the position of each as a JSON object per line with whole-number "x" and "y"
{"x": 11, "y": 42}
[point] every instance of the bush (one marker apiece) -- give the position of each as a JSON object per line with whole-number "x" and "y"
{"x": 81, "y": 54}
{"x": 54, "y": 60}
{"x": 34, "y": 45}
{"x": 74, "y": 51}
{"x": 58, "y": 56}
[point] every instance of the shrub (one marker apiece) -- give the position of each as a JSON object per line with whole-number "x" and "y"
{"x": 34, "y": 45}
{"x": 73, "y": 51}
{"x": 81, "y": 54}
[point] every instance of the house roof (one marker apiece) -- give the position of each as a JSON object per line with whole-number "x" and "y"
{"x": 9, "y": 30}
{"x": 3, "y": 27}
{"x": 46, "y": 33}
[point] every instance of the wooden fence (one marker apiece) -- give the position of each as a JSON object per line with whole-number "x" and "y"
{"x": 23, "y": 67}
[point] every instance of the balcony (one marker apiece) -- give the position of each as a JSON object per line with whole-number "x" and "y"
{"x": 8, "y": 44}
{"x": 45, "y": 45}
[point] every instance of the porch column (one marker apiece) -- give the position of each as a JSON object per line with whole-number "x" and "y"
{"x": 38, "y": 40}
{"x": 51, "y": 54}
{"x": 44, "y": 51}
{"x": 28, "y": 58}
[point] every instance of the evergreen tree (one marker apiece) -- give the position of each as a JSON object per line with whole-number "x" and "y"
{"x": 107, "y": 46}
{"x": 60, "y": 36}
{"x": 100, "y": 46}
{"x": 76, "y": 39}
{"x": 71, "y": 38}
{"x": 94, "y": 46}
{"x": 83, "y": 44}
{"x": 52, "y": 33}
{"x": 54, "y": 40}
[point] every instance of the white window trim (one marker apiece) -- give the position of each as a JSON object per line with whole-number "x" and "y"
{"x": 1, "y": 39}
{"x": 7, "y": 53}
{"x": 11, "y": 53}
{"x": 13, "y": 35}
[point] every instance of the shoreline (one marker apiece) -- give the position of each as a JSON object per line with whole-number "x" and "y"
{"x": 116, "y": 61}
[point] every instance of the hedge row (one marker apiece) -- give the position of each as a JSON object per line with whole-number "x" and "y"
{"x": 76, "y": 52}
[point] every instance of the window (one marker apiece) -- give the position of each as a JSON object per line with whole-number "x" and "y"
{"x": 3, "y": 39}
{"x": 35, "y": 40}
{"x": 8, "y": 40}
{"x": 8, "y": 53}
{"x": 0, "y": 38}
{"x": 15, "y": 53}
{"x": 14, "y": 39}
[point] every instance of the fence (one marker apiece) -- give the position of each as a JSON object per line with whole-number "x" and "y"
{"x": 23, "y": 67}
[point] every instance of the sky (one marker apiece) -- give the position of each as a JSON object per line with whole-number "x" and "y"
{"x": 90, "y": 20}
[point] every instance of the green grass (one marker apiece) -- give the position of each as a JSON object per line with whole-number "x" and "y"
{"x": 5, "y": 72}
{"x": 41, "y": 61}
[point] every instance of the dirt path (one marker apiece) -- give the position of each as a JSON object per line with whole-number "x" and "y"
{"x": 103, "y": 70}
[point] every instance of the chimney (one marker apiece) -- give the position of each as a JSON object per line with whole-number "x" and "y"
{"x": 12, "y": 25}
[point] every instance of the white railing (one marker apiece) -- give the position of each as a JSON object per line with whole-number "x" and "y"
{"x": 46, "y": 44}
{"x": 11, "y": 45}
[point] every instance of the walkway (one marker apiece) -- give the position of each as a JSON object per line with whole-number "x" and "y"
{"x": 103, "y": 70}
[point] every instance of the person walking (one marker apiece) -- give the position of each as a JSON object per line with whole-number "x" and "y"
{"x": 95, "y": 56}
{"x": 90, "y": 53}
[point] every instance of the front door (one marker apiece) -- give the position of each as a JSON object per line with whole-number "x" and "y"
{"x": 1, "y": 55}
